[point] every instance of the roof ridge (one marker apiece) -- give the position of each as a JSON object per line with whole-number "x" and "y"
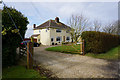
{"x": 51, "y": 23}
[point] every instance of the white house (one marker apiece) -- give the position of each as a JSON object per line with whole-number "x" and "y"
{"x": 52, "y": 32}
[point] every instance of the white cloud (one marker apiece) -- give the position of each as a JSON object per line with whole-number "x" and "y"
{"x": 29, "y": 31}
{"x": 102, "y": 11}
{"x": 67, "y": 11}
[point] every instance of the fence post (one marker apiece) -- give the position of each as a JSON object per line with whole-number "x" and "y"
{"x": 83, "y": 42}
{"x": 20, "y": 52}
{"x": 29, "y": 53}
{"x": 81, "y": 47}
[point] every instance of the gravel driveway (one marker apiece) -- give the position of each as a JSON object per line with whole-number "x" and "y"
{"x": 75, "y": 66}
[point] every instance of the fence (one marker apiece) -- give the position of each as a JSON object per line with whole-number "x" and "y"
{"x": 22, "y": 51}
{"x": 29, "y": 52}
{"x": 74, "y": 48}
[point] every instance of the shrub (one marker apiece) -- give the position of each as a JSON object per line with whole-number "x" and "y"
{"x": 65, "y": 42}
{"x": 99, "y": 42}
{"x": 10, "y": 36}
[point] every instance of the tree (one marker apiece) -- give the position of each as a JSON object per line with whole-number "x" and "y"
{"x": 78, "y": 25}
{"x": 10, "y": 36}
{"x": 112, "y": 28}
{"x": 97, "y": 25}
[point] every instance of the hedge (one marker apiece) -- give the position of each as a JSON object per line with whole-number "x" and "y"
{"x": 10, "y": 37}
{"x": 99, "y": 42}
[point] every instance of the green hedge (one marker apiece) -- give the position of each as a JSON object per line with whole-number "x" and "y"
{"x": 10, "y": 37}
{"x": 99, "y": 42}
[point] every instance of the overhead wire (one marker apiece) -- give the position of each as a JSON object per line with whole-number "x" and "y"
{"x": 17, "y": 29}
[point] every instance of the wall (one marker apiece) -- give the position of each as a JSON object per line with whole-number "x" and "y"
{"x": 38, "y": 31}
{"x": 38, "y": 39}
{"x": 45, "y": 37}
{"x": 54, "y": 34}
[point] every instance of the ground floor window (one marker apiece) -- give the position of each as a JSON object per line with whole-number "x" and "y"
{"x": 68, "y": 38}
{"x": 38, "y": 40}
{"x": 52, "y": 39}
{"x": 58, "y": 39}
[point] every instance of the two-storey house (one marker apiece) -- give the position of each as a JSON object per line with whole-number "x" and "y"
{"x": 52, "y": 32}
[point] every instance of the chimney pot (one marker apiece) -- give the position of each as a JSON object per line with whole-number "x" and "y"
{"x": 34, "y": 25}
{"x": 57, "y": 19}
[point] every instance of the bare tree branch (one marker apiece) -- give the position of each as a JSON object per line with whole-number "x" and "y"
{"x": 112, "y": 28}
{"x": 97, "y": 25}
{"x": 78, "y": 23}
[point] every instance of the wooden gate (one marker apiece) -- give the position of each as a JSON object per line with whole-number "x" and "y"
{"x": 22, "y": 51}
{"x": 75, "y": 48}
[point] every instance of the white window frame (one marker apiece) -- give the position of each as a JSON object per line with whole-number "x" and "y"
{"x": 39, "y": 31}
{"x": 67, "y": 37}
{"x": 53, "y": 39}
{"x": 46, "y": 30}
{"x": 58, "y": 30}
{"x": 60, "y": 38}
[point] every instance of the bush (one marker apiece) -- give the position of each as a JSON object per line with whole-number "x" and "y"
{"x": 99, "y": 42}
{"x": 10, "y": 36}
{"x": 65, "y": 42}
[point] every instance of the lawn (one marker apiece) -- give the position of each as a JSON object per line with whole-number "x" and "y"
{"x": 111, "y": 54}
{"x": 73, "y": 49}
{"x": 20, "y": 71}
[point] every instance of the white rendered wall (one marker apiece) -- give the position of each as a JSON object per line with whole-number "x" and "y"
{"x": 54, "y": 34}
{"x": 45, "y": 37}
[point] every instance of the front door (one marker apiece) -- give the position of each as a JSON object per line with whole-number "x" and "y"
{"x": 63, "y": 38}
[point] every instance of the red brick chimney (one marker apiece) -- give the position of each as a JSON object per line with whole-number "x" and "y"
{"x": 34, "y": 25}
{"x": 57, "y": 19}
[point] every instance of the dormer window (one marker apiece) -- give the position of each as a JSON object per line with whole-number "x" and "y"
{"x": 58, "y": 30}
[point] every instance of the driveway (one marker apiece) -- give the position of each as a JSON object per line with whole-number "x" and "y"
{"x": 75, "y": 66}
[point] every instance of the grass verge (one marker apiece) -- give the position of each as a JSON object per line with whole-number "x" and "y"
{"x": 72, "y": 49}
{"x": 111, "y": 54}
{"x": 20, "y": 71}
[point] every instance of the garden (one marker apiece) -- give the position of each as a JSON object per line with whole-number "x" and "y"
{"x": 97, "y": 44}
{"x": 20, "y": 71}
{"x": 70, "y": 48}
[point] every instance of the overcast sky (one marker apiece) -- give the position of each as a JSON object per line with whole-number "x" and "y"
{"x": 39, "y": 12}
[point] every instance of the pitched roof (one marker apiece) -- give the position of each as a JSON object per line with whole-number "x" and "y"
{"x": 35, "y": 35}
{"x": 52, "y": 24}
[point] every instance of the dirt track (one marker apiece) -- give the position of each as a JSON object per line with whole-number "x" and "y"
{"x": 75, "y": 66}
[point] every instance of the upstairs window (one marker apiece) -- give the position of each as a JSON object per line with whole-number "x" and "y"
{"x": 46, "y": 30}
{"x": 58, "y": 30}
{"x": 58, "y": 39}
{"x": 67, "y": 38}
